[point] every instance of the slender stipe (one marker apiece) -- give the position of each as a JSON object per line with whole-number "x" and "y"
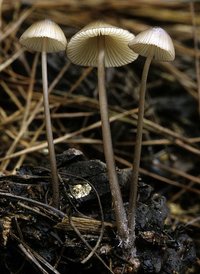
{"x": 52, "y": 157}
{"x": 121, "y": 220}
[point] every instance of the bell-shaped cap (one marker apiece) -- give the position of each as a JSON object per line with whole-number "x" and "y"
{"x": 44, "y": 35}
{"x": 154, "y": 42}
{"x": 82, "y": 49}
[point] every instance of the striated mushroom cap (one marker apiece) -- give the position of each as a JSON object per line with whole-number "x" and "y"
{"x": 156, "y": 42}
{"x": 83, "y": 48}
{"x": 45, "y": 31}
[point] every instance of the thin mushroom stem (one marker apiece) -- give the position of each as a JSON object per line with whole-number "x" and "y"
{"x": 120, "y": 214}
{"x": 52, "y": 157}
{"x": 137, "y": 156}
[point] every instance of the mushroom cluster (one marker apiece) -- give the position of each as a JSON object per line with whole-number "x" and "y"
{"x": 102, "y": 45}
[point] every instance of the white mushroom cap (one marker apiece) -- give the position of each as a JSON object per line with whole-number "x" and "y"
{"x": 155, "y": 41}
{"x": 46, "y": 30}
{"x": 83, "y": 48}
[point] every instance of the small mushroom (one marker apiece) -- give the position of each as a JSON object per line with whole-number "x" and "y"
{"x": 153, "y": 43}
{"x": 102, "y": 45}
{"x": 46, "y": 36}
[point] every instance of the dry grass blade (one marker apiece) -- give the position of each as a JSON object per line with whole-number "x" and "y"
{"x": 65, "y": 137}
{"x": 197, "y": 63}
{"x": 25, "y": 115}
{"x": 15, "y": 25}
{"x": 10, "y": 60}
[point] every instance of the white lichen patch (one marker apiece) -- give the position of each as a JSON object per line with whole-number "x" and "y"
{"x": 80, "y": 190}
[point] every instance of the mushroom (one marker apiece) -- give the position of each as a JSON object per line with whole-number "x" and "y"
{"x": 46, "y": 36}
{"x": 153, "y": 43}
{"x": 102, "y": 45}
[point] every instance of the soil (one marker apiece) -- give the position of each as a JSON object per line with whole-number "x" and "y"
{"x": 31, "y": 231}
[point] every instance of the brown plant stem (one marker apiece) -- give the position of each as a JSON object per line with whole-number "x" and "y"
{"x": 137, "y": 156}
{"x": 120, "y": 214}
{"x": 52, "y": 157}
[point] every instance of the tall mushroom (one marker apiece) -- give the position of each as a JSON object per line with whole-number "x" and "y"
{"x": 46, "y": 36}
{"x": 155, "y": 44}
{"x": 102, "y": 45}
